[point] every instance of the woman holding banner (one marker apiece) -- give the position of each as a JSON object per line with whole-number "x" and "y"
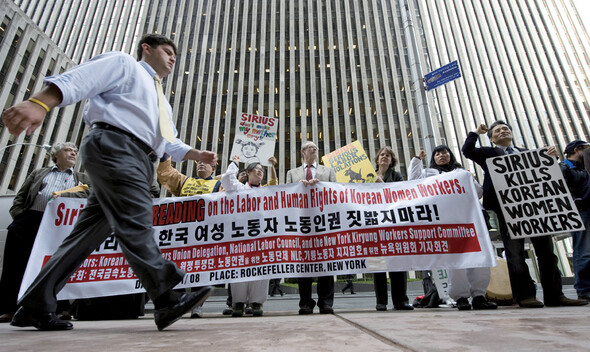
{"x": 250, "y": 292}
{"x": 463, "y": 283}
{"x": 386, "y": 161}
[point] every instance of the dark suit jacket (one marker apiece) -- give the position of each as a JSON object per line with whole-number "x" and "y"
{"x": 26, "y": 194}
{"x": 323, "y": 173}
{"x": 479, "y": 156}
{"x": 392, "y": 176}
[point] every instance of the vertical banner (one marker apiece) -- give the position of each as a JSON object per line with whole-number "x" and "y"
{"x": 255, "y": 138}
{"x": 533, "y": 195}
{"x": 351, "y": 164}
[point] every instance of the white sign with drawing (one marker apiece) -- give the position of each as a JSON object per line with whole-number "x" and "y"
{"x": 255, "y": 139}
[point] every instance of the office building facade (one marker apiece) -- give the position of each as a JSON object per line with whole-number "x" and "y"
{"x": 331, "y": 71}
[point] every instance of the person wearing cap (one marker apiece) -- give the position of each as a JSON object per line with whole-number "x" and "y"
{"x": 577, "y": 180}
{"x": 523, "y": 286}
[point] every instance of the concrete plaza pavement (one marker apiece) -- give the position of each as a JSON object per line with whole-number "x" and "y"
{"x": 356, "y": 326}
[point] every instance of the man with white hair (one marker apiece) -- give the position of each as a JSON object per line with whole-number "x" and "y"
{"x": 27, "y": 212}
{"x": 310, "y": 173}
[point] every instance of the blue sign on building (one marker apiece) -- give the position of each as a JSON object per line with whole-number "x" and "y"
{"x": 443, "y": 75}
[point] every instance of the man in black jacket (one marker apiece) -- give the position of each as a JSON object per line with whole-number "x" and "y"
{"x": 523, "y": 286}
{"x": 577, "y": 180}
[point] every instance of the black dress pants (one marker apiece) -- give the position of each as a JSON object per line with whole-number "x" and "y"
{"x": 325, "y": 291}
{"x": 399, "y": 287}
{"x": 120, "y": 202}
{"x": 17, "y": 250}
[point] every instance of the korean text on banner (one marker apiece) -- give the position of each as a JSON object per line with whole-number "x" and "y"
{"x": 290, "y": 231}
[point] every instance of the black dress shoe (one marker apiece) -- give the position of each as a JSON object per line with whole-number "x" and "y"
{"x": 40, "y": 320}
{"x": 463, "y": 304}
{"x": 381, "y": 307}
{"x": 326, "y": 310}
{"x": 404, "y": 306}
{"x": 305, "y": 310}
{"x": 227, "y": 311}
{"x": 164, "y": 317}
{"x": 531, "y": 302}
{"x": 481, "y": 303}
{"x": 566, "y": 302}
{"x": 6, "y": 318}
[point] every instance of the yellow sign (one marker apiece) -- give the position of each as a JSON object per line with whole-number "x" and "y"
{"x": 351, "y": 164}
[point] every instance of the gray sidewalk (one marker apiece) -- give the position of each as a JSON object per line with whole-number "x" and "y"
{"x": 356, "y": 326}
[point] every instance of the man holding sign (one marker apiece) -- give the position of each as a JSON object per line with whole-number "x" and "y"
{"x": 523, "y": 286}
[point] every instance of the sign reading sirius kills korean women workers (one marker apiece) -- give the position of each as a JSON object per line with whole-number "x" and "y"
{"x": 533, "y": 195}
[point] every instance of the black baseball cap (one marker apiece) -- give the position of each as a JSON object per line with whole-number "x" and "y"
{"x": 570, "y": 148}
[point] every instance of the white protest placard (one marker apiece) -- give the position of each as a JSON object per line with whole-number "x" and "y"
{"x": 288, "y": 231}
{"x": 255, "y": 138}
{"x": 533, "y": 195}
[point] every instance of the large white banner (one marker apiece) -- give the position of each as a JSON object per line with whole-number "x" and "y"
{"x": 533, "y": 195}
{"x": 289, "y": 231}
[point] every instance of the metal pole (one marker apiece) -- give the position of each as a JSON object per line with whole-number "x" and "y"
{"x": 424, "y": 118}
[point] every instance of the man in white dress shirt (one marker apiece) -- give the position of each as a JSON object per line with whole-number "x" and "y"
{"x": 310, "y": 173}
{"x": 131, "y": 126}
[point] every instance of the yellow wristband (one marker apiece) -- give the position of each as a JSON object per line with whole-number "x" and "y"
{"x": 40, "y": 103}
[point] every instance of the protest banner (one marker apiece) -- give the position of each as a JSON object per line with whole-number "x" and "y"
{"x": 289, "y": 231}
{"x": 351, "y": 164}
{"x": 255, "y": 138}
{"x": 533, "y": 195}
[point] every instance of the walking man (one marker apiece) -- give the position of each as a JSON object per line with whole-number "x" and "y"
{"x": 131, "y": 127}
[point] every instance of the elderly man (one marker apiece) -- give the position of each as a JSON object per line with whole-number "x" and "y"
{"x": 523, "y": 287}
{"x": 578, "y": 182}
{"x": 309, "y": 173}
{"x": 131, "y": 127}
{"x": 27, "y": 212}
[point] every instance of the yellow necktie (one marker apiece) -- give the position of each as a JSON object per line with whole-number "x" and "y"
{"x": 165, "y": 125}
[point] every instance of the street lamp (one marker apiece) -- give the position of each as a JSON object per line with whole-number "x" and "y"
{"x": 47, "y": 147}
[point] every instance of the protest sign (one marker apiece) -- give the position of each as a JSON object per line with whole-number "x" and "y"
{"x": 255, "y": 138}
{"x": 533, "y": 195}
{"x": 289, "y": 231}
{"x": 351, "y": 164}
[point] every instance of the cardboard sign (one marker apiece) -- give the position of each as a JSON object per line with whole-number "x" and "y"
{"x": 533, "y": 195}
{"x": 351, "y": 164}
